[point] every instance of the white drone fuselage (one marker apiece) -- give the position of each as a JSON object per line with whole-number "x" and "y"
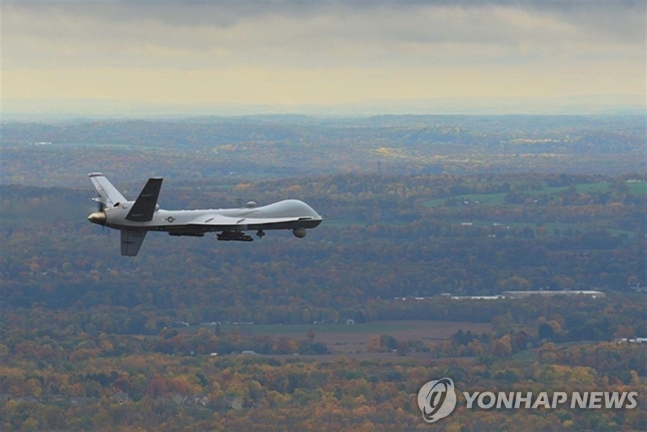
{"x": 206, "y": 220}
{"x": 135, "y": 218}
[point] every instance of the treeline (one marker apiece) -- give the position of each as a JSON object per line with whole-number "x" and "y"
{"x": 244, "y": 393}
{"x": 57, "y": 336}
{"x": 308, "y": 284}
{"x": 382, "y": 237}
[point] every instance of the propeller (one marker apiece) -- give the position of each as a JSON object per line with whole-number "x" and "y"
{"x": 100, "y": 205}
{"x": 99, "y": 217}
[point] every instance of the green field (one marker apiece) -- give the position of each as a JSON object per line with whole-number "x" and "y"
{"x": 637, "y": 187}
{"x": 487, "y": 199}
{"x": 343, "y": 223}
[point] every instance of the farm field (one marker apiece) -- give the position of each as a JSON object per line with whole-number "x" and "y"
{"x": 350, "y": 339}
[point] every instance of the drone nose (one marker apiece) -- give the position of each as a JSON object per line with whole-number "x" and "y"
{"x": 97, "y": 218}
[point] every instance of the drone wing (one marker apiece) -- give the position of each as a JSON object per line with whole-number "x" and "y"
{"x": 216, "y": 222}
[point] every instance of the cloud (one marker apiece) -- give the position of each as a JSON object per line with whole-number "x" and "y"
{"x": 327, "y": 52}
{"x": 300, "y": 33}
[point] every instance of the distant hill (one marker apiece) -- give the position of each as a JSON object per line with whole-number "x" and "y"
{"x": 275, "y": 146}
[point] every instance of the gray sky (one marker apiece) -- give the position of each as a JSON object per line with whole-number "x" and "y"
{"x": 298, "y": 54}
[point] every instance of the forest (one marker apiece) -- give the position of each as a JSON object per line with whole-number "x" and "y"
{"x": 91, "y": 340}
{"x": 226, "y": 149}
